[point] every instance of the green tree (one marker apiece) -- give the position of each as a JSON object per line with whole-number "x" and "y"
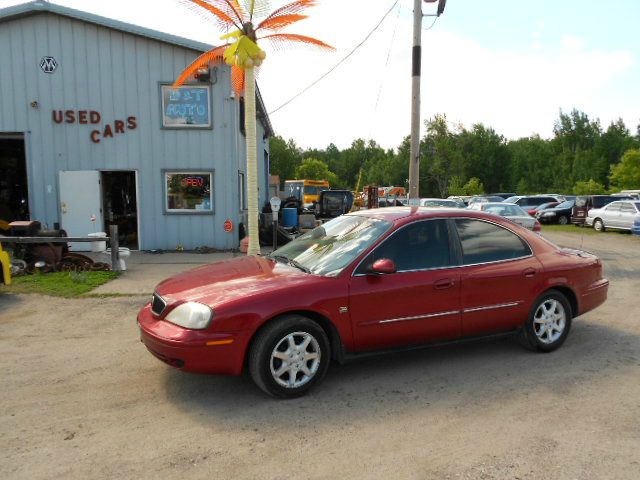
{"x": 531, "y": 165}
{"x": 626, "y": 174}
{"x": 486, "y": 156}
{"x": 315, "y": 169}
{"x": 441, "y": 157}
{"x": 284, "y": 158}
{"x": 456, "y": 186}
{"x": 590, "y": 187}
{"x": 473, "y": 187}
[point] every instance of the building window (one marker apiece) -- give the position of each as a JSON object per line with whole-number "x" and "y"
{"x": 188, "y": 106}
{"x": 188, "y": 192}
{"x": 242, "y": 191}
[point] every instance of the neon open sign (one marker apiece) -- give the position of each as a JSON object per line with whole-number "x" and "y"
{"x": 192, "y": 182}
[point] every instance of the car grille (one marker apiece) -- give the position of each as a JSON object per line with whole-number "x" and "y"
{"x": 158, "y": 304}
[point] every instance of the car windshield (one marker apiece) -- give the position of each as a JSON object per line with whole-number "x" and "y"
{"x": 313, "y": 189}
{"x": 511, "y": 200}
{"x": 330, "y": 248}
{"x": 505, "y": 210}
{"x": 546, "y": 205}
{"x": 567, "y": 204}
{"x": 439, "y": 203}
{"x": 637, "y": 204}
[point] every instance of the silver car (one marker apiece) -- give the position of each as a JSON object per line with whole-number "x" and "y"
{"x": 620, "y": 215}
{"x": 441, "y": 202}
{"x": 511, "y": 211}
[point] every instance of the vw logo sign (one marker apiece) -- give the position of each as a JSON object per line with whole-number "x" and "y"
{"x": 48, "y": 64}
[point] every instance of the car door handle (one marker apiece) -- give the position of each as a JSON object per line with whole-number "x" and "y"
{"x": 529, "y": 272}
{"x": 444, "y": 283}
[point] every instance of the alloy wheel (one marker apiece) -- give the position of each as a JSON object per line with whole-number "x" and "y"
{"x": 549, "y": 321}
{"x": 295, "y": 360}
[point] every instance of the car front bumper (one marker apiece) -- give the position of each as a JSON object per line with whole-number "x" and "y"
{"x": 193, "y": 350}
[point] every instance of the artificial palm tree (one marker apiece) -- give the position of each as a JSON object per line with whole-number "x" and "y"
{"x": 242, "y": 52}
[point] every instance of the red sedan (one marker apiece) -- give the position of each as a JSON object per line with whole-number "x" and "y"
{"x": 372, "y": 280}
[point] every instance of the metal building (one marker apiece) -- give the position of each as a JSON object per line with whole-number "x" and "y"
{"x": 92, "y": 135}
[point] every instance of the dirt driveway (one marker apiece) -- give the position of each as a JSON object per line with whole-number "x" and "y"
{"x": 81, "y": 398}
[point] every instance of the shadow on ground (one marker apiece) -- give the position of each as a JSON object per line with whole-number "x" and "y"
{"x": 478, "y": 373}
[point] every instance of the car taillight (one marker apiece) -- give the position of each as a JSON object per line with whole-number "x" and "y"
{"x": 537, "y": 227}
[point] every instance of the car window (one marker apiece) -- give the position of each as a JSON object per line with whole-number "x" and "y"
{"x": 484, "y": 242}
{"x": 417, "y": 246}
{"x": 582, "y": 201}
{"x": 511, "y": 200}
{"x": 637, "y": 204}
{"x": 627, "y": 208}
{"x": 599, "y": 202}
{"x": 567, "y": 204}
{"x": 515, "y": 211}
{"x": 613, "y": 207}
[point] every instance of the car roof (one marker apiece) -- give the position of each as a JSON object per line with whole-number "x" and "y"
{"x": 500, "y": 204}
{"x": 406, "y": 214}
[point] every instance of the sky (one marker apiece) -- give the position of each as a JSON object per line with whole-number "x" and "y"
{"x": 511, "y": 65}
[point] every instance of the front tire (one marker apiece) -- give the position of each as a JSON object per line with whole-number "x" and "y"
{"x": 548, "y": 324}
{"x": 598, "y": 225}
{"x": 289, "y": 356}
{"x": 563, "y": 220}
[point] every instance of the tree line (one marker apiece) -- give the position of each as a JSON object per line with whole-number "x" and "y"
{"x": 581, "y": 157}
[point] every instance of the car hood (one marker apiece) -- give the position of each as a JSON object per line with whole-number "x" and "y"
{"x": 220, "y": 282}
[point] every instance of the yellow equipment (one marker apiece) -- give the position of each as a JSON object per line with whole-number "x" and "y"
{"x": 5, "y": 263}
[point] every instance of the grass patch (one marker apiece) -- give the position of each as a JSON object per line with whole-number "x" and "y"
{"x": 582, "y": 230}
{"x": 59, "y": 284}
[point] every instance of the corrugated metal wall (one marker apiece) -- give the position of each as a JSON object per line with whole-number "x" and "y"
{"x": 118, "y": 74}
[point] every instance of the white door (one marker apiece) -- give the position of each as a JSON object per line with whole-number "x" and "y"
{"x": 80, "y": 205}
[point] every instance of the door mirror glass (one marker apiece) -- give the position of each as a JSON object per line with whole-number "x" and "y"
{"x": 383, "y": 266}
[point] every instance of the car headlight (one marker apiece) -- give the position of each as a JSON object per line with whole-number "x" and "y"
{"x": 194, "y": 315}
{"x": 549, "y": 214}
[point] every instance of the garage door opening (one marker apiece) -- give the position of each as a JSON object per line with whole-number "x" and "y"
{"x": 120, "y": 206}
{"x": 14, "y": 190}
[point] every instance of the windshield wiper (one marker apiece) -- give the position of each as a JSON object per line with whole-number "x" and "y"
{"x": 289, "y": 261}
{"x": 279, "y": 258}
{"x": 298, "y": 265}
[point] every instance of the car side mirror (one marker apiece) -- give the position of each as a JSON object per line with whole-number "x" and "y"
{"x": 383, "y": 266}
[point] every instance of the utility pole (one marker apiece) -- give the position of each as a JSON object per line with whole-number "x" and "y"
{"x": 416, "y": 57}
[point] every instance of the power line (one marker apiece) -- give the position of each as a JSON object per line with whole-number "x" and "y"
{"x": 340, "y": 62}
{"x": 386, "y": 63}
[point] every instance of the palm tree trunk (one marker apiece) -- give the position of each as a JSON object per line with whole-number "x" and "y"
{"x": 252, "y": 160}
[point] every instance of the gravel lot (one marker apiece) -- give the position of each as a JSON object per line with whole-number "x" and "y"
{"x": 81, "y": 398}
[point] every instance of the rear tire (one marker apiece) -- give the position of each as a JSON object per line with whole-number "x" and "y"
{"x": 598, "y": 225}
{"x": 563, "y": 220}
{"x": 548, "y": 324}
{"x": 289, "y": 356}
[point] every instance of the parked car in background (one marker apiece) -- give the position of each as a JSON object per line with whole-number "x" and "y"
{"x": 441, "y": 202}
{"x": 371, "y": 280}
{"x": 483, "y": 199}
{"x": 635, "y": 194}
{"x": 502, "y": 195}
{"x": 560, "y": 214}
{"x": 460, "y": 198}
{"x": 510, "y": 211}
{"x": 532, "y": 211}
{"x": 584, "y": 203}
{"x": 621, "y": 215}
{"x": 333, "y": 203}
{"x": 390, "y": 202}
{"x": 528, "y": 201}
